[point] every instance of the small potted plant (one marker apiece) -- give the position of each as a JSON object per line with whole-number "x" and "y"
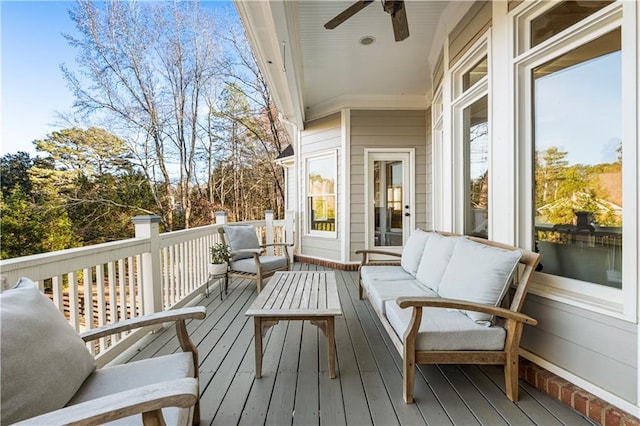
{"x": 219, "y": 256}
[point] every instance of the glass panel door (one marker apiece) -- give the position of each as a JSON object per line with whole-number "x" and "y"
{"x": 389, "y": 199}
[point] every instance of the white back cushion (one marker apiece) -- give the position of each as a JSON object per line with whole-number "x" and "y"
{"x": 44, "y": 361}
{"x": 412, "y": 251}
{"x": 435, "y": 258}
{"x": 478, "y": 273}
{"x": 242, "y": 237}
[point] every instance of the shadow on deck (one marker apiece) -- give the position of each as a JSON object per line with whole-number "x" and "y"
{"x": 295, "y": 387}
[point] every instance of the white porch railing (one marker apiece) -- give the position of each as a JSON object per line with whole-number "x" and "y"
{"x": 105, "y": 283}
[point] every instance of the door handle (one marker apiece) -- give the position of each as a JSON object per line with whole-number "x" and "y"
{"x": 407, "y": 214}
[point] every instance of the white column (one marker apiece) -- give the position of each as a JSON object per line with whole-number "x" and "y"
{"x": 221, "y": 218}
{"x": 268, "y": 223}
{"x": 148, "y": 227}
{"x": 289, "y": 231}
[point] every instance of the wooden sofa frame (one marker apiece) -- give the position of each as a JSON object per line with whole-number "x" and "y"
{"x": 514, "y": 322}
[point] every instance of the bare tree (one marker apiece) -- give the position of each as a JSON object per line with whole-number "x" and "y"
{"x": 143, "y": 68}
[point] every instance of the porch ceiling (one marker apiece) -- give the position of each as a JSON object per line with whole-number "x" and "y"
{"x": 318, "y": 71}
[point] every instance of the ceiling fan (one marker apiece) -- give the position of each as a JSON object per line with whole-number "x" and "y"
{"x": 395, "y": 8}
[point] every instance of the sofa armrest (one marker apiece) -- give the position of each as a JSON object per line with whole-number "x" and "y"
{"x": 196, "y": 312}
{"x": 150, "y": 399}
{"x": 437, "y": 302}
{"x": 365, "y": 255}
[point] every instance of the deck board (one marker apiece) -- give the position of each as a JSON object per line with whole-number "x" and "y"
{"x": 296, "y": 388}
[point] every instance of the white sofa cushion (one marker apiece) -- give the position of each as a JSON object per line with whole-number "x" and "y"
{"x": 382, "y": 291}
{"x": 369, "y": 273}
{"x": 118, "y": 378}
{"x": 478, "y": 273}
{"x": 412, "y": 251}
{"x": 44, "y": 361}
{"x": 443, "y": 330}
{"x": 434, "y": 260}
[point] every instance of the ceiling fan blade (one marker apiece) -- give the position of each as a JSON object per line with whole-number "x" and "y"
{"x": 399, "y": 22}
{"x": 347, "y": 13}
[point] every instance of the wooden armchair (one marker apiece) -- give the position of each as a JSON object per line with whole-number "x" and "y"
{"x": 49, "y": 376}
{"x": 248, "y": 258}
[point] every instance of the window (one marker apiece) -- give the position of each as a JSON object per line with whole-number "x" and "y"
{"x": 561, "y": 17}
{"x": 474, "y": 75}
{"x": 471, "y": 142}
{"x": 321, "y": 193}
{"x": 476, "y": 161}
{"x": 577, "y": 126}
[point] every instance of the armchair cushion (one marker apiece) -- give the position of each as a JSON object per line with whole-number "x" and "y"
{"x": 435, "y": 257}
{"x": 123, "y": 377}
{"x": 267, "y": 264}
{"x": 412, "y": 251}
{"x": 241, "y": 237}
{"x": 44, "y": 361}
{"x": 478, "y": 273}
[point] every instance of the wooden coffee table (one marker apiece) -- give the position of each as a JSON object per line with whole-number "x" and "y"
{"x": 300, "y": 295}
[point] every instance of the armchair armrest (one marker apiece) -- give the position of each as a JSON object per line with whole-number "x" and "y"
{"x": 145, "y": 399}
{"x": 365, "y": 255}
{"x": 278, "y": 244}
{"x": 437, "y": 302}
{"x": 196, "y": 312}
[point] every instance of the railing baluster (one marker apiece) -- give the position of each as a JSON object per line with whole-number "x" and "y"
{"x": 58, "y": 296}
{"x": 113, "y": 298}
{"x": 74, "y": 301}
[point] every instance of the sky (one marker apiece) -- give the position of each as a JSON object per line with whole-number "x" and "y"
{"x": 31, "y": 82}
{"x": 33, "y": 91}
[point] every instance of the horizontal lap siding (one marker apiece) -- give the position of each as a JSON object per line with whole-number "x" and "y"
{"x": 386, "y": 129}
{"x": 600, "y": 349}
{"x": 318, "y": 137}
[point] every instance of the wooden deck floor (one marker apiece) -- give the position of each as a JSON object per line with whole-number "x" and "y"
{"x": 296, "y": 389}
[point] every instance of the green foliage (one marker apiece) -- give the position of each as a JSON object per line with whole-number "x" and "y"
{"x": 29, "y": 228}
{"x": 562, "y": 190}
{"x": 219, "y": 253}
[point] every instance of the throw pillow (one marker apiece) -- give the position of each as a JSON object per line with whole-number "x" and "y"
{"x": 412, "y": 251}
{"x": 242, "y": 237}
{"x": 478, "y": 273}
{"x": 44, "y": 361}
{"x": 434, "y": 260}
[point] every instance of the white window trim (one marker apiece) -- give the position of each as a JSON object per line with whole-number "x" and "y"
{"x": 308, "y": 232}
{"x": 461, "y": 101}
{"x": 608, "y": 301}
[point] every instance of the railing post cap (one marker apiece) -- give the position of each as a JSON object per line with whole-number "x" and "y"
{"x": 222, "y": 213}
{"x": 149, "y": 218}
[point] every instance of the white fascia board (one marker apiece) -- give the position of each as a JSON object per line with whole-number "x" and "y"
{"x": 268, "y": 32}
{"x": 383, "y": 102}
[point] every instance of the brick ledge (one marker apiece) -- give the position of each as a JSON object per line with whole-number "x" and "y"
{"x": 585, "y": 403}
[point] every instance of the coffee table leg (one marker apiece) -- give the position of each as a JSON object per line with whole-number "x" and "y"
{"x": 331, "y": 347}
{"x": 257, "y": 332}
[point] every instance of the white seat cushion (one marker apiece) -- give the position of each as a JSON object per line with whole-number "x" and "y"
{"x": 383, "y": 273}
{"x": 478, "y": 273}
{"x": 412, "y": 251}
{"x": 443, "y": 330}
{"x": 267, "y": 264}
{"x": 435, "y": 258}
{"x": 118, "y": 378}
{"x": 44, "y": 361}
{"x": 382, "y": 291}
